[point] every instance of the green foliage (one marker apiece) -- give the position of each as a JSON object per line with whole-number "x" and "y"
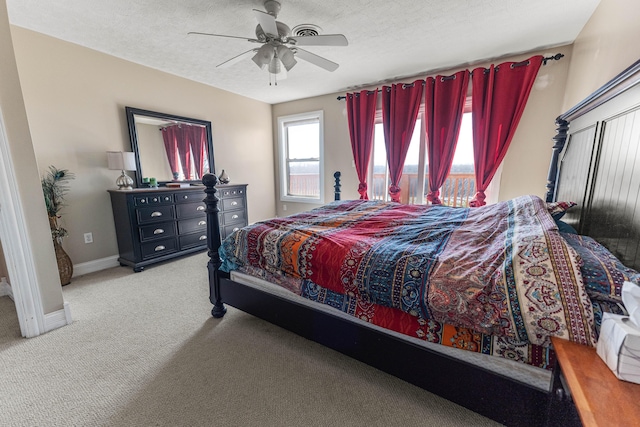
{"x": 55, "y": 185}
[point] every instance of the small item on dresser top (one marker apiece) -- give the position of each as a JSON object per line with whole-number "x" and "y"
{"x": 178, "y": 184}
{"x": 145, "y": 180}
{"x": 619, "y": 343}
{"x": 153, "y": 182}
{"x": 223, "y": 178}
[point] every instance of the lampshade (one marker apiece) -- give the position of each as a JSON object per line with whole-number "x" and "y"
{"x": 264, "y": 55}
{"x": 286, "y": 56}
{"x": 123, "y": 161}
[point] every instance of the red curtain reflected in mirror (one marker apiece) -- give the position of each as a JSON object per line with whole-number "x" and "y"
{"x": 170, "y": 138}
{"x": 198, "y": 144}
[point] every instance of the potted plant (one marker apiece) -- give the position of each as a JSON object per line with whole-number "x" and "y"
{"x": 55, "y": 185}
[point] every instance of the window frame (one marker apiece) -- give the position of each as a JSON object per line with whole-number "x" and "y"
{"x": 422, "y": 197}
{"x": 283, "y": 123}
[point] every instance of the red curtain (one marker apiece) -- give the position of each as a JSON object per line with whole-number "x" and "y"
{"x": 500, "y": 94}
{"x": 400, "y": 106}
{"x": 444, "y": 107}
{"x": 184, "y": 150}
{"x": 198, "y": 144}
{"x": 170, "y": 137}
{"x": 361, "y": 115}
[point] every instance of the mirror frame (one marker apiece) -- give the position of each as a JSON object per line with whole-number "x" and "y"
{"x": 131, "y": 112}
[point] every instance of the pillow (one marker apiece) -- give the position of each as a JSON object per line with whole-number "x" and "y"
{"x": 603, "y": 274}
{"x": 563, "y": 227}
{"x": 558, "y": 209}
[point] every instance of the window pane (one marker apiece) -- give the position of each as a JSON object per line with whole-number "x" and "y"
{"x": 409, "y": 180}
{"x": 304, "y": 179}
{"x": 380, "y": 176}
{"x": 303, "y": 141}
{"x": 459, "y": 187}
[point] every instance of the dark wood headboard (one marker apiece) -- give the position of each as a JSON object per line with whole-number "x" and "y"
{"x": 596, "y": 163}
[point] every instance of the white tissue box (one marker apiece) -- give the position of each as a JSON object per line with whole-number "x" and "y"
{"x": 619, "y": 346}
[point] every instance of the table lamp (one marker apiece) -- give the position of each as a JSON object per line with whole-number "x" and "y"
{"x": 123, "y": 161}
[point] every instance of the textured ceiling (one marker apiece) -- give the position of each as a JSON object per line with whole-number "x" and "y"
{"x": 387, "y": 39}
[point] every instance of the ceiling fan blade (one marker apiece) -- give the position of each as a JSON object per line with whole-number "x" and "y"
{"x": 235, "y": 59}
{"x": 223, "y": 35}
{"x": 316, "y": 60}
{"x": 320, "y": 40}
{"x": 267, "y": 22}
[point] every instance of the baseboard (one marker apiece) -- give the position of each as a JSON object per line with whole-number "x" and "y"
{"x": 5, "y": 288}
{"x": 58, "y": 319}
{"x": 95, "y": 265}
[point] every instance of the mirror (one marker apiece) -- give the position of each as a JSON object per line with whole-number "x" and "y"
{"x": 169, "y": 148}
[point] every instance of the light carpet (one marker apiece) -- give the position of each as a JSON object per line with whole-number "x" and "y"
{"x": 143, "y": 350}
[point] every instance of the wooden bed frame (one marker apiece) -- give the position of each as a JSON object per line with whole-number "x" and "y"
{"x": 584, "y": 179}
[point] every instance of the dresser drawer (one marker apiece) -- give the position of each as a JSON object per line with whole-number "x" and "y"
{"x": 227, "y": 230}
{"x": 233, "y": 203}
{"x": 232, "y": 192}
{"x": 157, "y": 231}
{"x": 196, "y": 196}
{"x": 234, "y": 217}
{"x": 193, "y": 240}
{"x": 192, "y": 225}
{"x": 153, "y": 199}
{"x": 189, "y": 210}
{"x": 159, "y": 247}
{"x": 154, "y": 213}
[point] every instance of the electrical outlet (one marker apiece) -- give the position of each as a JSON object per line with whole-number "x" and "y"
{"x": 284, "y": 207}
{"x": 88, "y": 237}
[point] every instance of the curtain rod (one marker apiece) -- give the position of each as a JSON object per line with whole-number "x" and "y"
{"x": 555, "y": 57}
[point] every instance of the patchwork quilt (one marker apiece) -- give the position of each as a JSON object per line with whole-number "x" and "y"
{"x": 497, "y": 279}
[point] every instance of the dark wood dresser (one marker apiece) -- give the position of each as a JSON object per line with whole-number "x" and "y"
{"x": 154, "y": 225}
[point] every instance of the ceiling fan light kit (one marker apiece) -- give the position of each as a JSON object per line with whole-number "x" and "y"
{"x": 279, "y": 48}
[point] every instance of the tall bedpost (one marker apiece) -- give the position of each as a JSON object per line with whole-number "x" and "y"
{"x": 336, "y": 187}
{"x": 559, "y": 140}
{"x": 213, "y": 243}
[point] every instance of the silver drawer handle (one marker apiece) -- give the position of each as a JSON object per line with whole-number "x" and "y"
{"x": 235, "y": 229}
{"x": 203, "y": 237}
{"x": 234, "y": 203}
{"x": 200, "y": 208}
{"x": 202, "y": 222}
{"x": 234, "y": 217}
{"x": 159, "y": 248}
{"x": 156, "y": 213}
{"x": 158, "y": 231}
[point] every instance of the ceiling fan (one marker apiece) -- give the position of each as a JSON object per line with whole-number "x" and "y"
{"x": 279, "y": 48}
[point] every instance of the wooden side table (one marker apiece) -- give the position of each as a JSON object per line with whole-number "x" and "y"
{"x": 599, "y": 396}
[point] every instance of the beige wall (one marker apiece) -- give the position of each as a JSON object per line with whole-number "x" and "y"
{"x": 15, "y": 123}
{"x": 525, "y": 167}
{"x": 75, "y": 99}
{"x": 607, "y": 45}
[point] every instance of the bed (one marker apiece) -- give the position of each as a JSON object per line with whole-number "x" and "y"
{"x": 594, "y": 155}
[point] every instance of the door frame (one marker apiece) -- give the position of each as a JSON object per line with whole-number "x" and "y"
{"x": 17, "y": 247}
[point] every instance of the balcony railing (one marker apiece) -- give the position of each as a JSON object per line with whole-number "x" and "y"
{"x": 457, "y": 190}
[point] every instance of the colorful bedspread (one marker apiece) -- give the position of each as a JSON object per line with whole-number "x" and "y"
{"x": 500, "y": 271}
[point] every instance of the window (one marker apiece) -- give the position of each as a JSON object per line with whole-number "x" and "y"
{"x": 458, "y": 189}
{"x": 301, "y": 166}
